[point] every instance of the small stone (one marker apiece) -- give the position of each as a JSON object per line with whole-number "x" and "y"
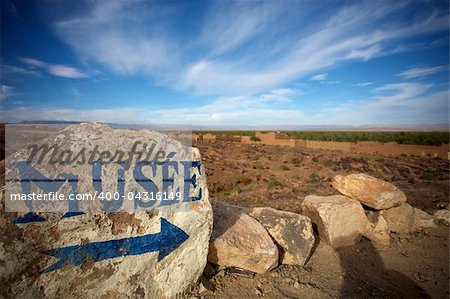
{"x": 442, "y": 216}
{"x": 296, "y": 285}
{"x": 423, "y": 277}
{"x": 201, "y": 288}
{"x": 240, "y": 272}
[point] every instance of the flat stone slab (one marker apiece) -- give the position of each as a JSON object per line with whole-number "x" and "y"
{"x": 370, "y": 191}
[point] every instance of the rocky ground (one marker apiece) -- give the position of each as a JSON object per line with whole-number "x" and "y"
{"x": 413, "y": 265}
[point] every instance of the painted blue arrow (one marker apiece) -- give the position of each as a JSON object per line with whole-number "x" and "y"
{"x": 165, "y": 242}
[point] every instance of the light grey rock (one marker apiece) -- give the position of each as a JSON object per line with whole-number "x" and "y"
{"x": 38, "y": 259}
{"x": 340, "y": 220}
{"x": 239, "y": 240}
{"x": 293, "y": 233}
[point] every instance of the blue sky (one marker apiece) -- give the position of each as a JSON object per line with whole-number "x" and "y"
{"x": 226, "y": 62}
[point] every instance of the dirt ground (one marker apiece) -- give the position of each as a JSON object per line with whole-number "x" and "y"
{"x": 413, "y": 266}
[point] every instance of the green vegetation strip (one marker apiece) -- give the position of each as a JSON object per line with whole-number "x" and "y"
{"x": 416, "y": 138}
{"x": 226, "y": 133}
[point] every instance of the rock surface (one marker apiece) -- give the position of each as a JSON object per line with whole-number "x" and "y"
{"x": 377, "y": 229}
{"x": 239, "y": 240}
{"x": 148, "y": 253}
{"x": 340, "y": 220}
{"x": 293, "y": 233}
{"x": 400, "y": 219}
{"x": 370, "y": 191}
{"x": 423, "y": 220}
{"x": 442, "y": 216}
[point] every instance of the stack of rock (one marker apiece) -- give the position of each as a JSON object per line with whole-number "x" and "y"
{"x": 259, "y": 239}
{"x": 367, "y": 207}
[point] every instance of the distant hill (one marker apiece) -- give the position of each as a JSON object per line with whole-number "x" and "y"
{"x": 385, "y": 128}
{"x": 50, "y": 122}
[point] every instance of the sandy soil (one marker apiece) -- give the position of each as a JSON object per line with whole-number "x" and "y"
{"x": 413, "y": 266}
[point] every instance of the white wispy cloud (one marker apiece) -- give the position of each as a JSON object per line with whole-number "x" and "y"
{"x": 129, "y": 38}
{"x": 422, "y": 71}
{"x": 330, "y": 82}
{"x": 33, "y": 62}
{"x": 200, "y": 116}
{"x": 411, "y": 106}
{"x": 66, "y": 72}
{"x": 363, "y": 84}
{"x": 319, "y": 77}
{"x": 5, "y": 92}
{"x": 407, "y": 103}
{"x": 114, "y": 115}
{"x": 326, "y": 46}
{"x": 239, "y": 57}
{"x": 266, "y": 107}
{"x": 402, "y": 91}
{"x": 364, "y": 53}
{"x": 322, "y": 79}
{"x": 54, "y": 69}
{"x": 8, "y": 70}
{"x": 222, "y": 35}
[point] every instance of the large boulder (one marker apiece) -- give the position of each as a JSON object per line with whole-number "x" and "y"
{"x": 371, "y": 191}
{"x": 239, "y": 240}
{"x": 340, "y": 220}
{"x": 400, "y": 219}
{"x": 293, "y": 233}
{"x": 123, "y": 247}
